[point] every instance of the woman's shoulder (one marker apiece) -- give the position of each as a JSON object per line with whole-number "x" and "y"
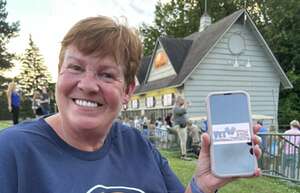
{"x": 121, "y": 129}
{"x": 21, "y": 131}
{"x": 128, "y": 135}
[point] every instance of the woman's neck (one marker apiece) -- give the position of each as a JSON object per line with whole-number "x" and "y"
{"x": 86, "y": 141}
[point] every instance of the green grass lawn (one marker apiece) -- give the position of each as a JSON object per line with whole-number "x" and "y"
{"x": 5, "y": 124}
{"x": 184, "y": 170}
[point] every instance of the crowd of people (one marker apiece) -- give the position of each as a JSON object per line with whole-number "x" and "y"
{"x": 187, "y": 134}
{"x": 40, "y": 102}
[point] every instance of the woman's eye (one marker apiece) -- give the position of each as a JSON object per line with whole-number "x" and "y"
{"x": 108, "y": 75}
{"x": 75, "y": 68}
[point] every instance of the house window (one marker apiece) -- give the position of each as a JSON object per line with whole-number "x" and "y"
{"x": 150, "y": 102}
{"x": 135, "y": 104}
{"x": 168, "y": 99}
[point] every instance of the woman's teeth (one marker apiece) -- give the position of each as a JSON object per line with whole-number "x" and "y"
{"x": 85, "y": 103}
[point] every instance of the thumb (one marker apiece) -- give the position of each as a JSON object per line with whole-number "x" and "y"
{"x": 205, "y": 143}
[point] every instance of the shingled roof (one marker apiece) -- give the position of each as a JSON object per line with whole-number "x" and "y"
{"x": 176, "y": 49}
{"x": 145, "y": 62}
{"x": 199, "y": 44}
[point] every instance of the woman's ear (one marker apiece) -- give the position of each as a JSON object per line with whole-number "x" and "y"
{"x": 128, "y": 92}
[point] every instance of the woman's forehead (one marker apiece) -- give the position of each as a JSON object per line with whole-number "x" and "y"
{"x": 72, "y": 53}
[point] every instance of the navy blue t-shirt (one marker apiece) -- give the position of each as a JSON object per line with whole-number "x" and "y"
{"x": 34, "y": 159}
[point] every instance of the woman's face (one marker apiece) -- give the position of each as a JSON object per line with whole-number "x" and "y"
{"x": 90, "y": 91}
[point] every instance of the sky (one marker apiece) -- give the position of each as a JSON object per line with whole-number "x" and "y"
{"x": 48, "y": 21}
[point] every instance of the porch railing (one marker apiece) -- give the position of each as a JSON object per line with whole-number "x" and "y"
{"x": 280, "y": 156}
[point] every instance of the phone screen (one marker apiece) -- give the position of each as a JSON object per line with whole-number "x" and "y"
{"x": 231, "y": 134}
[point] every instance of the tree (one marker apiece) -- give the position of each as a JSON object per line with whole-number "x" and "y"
{"x": 7, "y": 31}
{"x": 175, "y": 19}
{"x": 179, "y": 18}
{"x": 34, "y": 74}
{"x": 281, "y": 27}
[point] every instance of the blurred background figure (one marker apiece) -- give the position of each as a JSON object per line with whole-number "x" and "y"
{"x": 168, "y": 120}
{"x": 193, "y": 141}
{"x": 45, "y": 101}
{"x": 13, "y": 98}
{"x": 291, "y": 149}
{"x": 36, "y": 106}
{"x": 263, "y": 130}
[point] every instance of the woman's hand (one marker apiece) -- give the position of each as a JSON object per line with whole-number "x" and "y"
{"x": 207, "y": 182}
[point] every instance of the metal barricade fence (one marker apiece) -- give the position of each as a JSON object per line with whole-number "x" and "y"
{"x": 280, "y": 155}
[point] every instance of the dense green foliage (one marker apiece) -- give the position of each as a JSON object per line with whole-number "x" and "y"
{"x": 34, "y": 73}
{"x": 7, "y": 31}
{"x": 277, "y": 20}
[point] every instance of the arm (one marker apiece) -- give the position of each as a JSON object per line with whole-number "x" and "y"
{"x": 172, "y": 182}
{"x": 9, "y": 101}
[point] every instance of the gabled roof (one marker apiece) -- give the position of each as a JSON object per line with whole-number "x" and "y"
{"x": 176, "y": 49}
{"x": 141, "y": 74}
{"x": 203, "y": 42}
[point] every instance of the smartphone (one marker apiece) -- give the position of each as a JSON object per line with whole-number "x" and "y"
{"x": 230, "y": 128}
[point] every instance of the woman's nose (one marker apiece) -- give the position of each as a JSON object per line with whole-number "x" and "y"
{"x": 88, "y": 82}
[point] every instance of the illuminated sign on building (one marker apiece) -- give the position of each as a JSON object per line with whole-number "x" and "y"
{"x": 160, "y": 59}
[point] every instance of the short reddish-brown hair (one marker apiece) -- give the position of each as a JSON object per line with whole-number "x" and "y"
{"x": 103, "y": 36}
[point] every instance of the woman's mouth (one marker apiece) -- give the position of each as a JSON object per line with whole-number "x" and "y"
{"x": 87, "y": 103}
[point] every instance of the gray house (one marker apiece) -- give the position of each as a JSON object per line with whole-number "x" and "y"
{"x": 230, "y": 54}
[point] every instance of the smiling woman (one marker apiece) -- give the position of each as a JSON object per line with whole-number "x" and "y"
{"x": 82, "y": 144}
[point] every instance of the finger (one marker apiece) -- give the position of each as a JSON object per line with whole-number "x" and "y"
{"x": 257, "y": 151}
{"x": 257, "y": 172}
{"x": 205, "y": 141}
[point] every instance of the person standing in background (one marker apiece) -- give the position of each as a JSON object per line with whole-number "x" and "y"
{"x": 263, "y": 130}
{"x": 179, "y": 116}
{"x": 168, "y": 120}
{"x": 45, "y": 101}
{"x": 13, "y": 99}
{"x": 291, "y": 146}
{"x": 36, "y": 107}
{"x": 194, "y": 135}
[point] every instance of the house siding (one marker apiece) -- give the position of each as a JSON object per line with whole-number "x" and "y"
{"x": 217, "y": 73}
